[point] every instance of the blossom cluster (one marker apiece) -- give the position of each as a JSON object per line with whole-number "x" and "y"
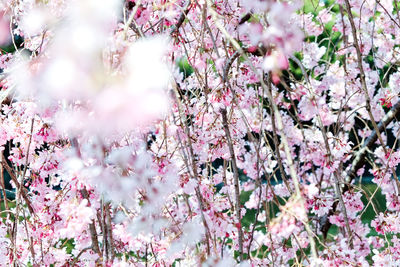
{"x": 199, "y": 133}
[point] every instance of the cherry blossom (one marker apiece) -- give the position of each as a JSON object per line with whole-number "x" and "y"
{"x": 199, "y": 133}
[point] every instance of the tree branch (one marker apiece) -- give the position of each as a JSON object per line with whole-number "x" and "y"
{"x": 236, "y": 180}
{"x": 359, "y": 160}
{"x": 175, "y": 28}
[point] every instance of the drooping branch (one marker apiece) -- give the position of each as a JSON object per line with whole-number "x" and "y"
{"x": 362, "y": 73}
{"x": 195, "y": 173}
{"x": 23, "y": 190}
{"x": 92, "y": 227}
{"x": 175, "y": 28}
{"x": 236, "y": 179}
{"x": 284, "y": 140}
{"x": 228, "y": 65}
{"x": 359, "y": 160}
{"x": 359, "y": 157}
{"x": 339, "y": 193}
{"x": 260, "y": 51}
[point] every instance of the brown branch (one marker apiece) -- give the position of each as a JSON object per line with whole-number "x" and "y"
{"x": 278, "y": 153}
{"x": 362, "y": 73}
{"x": 260, "y": 51}
{"x": 175, "y": 28}
{"x": 245, "y": 18}
{"x": 195, "y": 174}
{"x": 359, "y": 160}
{"x": 79, "y": 254}
{"x": 2, "y": 183}
{"x": 109, "y": 230}
{"x": 17, "y": 185}
{"x": 228, "y": 65}
{"x": 329, "y": 154}
{"x": 236, "y": 180}
{"x": 85, "y": 194}
{"x": 289, "y": 162}
{"x": 92, "y": 227}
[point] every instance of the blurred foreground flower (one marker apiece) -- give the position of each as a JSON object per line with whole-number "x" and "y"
{"x": 4, "y": 29}
{"x": 73, "y": 71}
